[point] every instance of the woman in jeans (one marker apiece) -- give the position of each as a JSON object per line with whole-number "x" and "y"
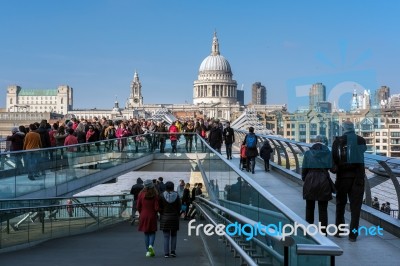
{"x": 170, "y": 206}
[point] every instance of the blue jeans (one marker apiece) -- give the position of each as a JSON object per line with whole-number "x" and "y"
{"x": 169, "y": 235}
{"x": 173, "y": 145}
{"x": 149, "y": 239}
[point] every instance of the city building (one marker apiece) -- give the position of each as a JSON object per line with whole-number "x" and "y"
{"x": 394, "y": 101}
{"x": 258, "y": 94}
{"x": 380, "y": 128}
{"x": 215, "y": 95}
{"x": 58, "y": 100}
{"x": 317, "y": 94}
{"x": 240, "y": 96}
{"x": 382, "y": 96}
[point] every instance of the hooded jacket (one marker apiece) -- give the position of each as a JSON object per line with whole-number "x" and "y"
{"x": 170, "y": 207}
{"x": 17, "y": 141}
{"x": 316, "y": 163}
{"x": 265, "y": 151}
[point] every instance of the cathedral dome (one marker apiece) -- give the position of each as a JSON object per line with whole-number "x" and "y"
{"x": 215, "y": 62}
{"x": 214, "y": 82}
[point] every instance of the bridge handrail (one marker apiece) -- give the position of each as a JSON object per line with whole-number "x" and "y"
{"x": 324, "y": 245}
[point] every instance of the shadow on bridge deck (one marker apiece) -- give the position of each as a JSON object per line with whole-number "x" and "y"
{"x": 121, "y": 244}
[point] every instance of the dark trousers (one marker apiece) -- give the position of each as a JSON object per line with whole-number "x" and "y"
{"x": 228, "y": 148}
{"x": 189, "y": 144}
{"x": 251, "y": 163}
{"x": 322, "y": 212}
{"x": 354, "y": 189}
{"x": 266, "y": 164}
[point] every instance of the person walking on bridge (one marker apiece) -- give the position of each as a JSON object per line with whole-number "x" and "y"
{"x": 148, "y": 206}
{"x": 250, "y": 141}
{"x": 348, "y": 158}
{"x": 317, "y": 184}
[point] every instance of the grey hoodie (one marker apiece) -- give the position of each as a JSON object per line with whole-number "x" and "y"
{"x": 170, "y": 197}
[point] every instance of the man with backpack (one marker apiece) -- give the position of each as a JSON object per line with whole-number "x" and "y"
{"x": 348, "y": 164}
{"x": 250, "y": 141}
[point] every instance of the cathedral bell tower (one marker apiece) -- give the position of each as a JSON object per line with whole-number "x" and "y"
{"x": 135, "y": 97}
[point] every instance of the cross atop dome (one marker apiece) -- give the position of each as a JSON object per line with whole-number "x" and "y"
{"x": 215, "y": 45}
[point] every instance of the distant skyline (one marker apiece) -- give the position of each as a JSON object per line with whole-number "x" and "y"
{"x": 96, "y": 46}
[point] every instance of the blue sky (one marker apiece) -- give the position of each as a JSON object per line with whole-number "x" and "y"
{"x": 95, "y": 46}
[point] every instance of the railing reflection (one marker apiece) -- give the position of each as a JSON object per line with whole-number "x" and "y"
{"x": 29, "y": 221}
{"x": 231, "y": 188}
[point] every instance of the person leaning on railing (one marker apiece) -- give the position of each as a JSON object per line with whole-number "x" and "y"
{"x": 32, "y": 141}
{"x": 16, "y": 141}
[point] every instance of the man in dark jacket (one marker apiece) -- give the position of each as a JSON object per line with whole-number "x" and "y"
{"x": 46, "y": 143}
{"x": 160, "y": 185}
{"x": 135, "y": 190}
{"x": 229, "y": 138}
{"x": 170, "y": 207}
{"x": 16, "y": 141}
{"x": 348, "y": 157}
{"x": 215, "y": 137}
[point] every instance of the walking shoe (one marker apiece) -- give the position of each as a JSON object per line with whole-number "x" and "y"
{"x": 151, "y": 250}
{"x": 166, "y": 255}
{"x": 173, "y": 254}
{"x": 148, "y": 254}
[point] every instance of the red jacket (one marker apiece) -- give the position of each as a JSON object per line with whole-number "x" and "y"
{"x": 71, "y": 140}
{"x": 147, "y": 209}
{"x": 173, "y": 129}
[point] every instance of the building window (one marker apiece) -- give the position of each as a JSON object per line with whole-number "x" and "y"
{"x": 378, "y": 141}
{"x": 384, "y": 148}
{"x": 378, "y": 147}
{"x": 377, "y": 134}
{"x": 384, "y": 133}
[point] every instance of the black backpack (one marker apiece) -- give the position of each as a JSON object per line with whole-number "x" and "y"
{"x": 347, "y": 152}
{"x": 111, "y": 133}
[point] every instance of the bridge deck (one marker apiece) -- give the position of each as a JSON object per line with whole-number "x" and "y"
{"x": 122, "y": 244}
